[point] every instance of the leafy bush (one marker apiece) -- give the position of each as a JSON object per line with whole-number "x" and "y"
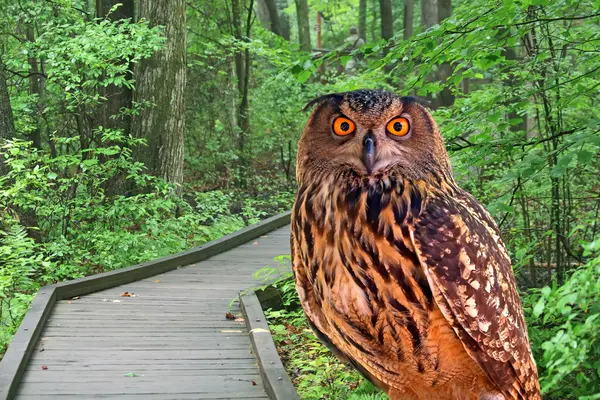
{"x": 81, "y": 228}
{"x": 564, "y": 322}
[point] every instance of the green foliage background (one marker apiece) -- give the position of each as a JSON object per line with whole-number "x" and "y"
{"x": 522, "y": 133}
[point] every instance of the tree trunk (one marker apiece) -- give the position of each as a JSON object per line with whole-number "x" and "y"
{"x": 387, "y": 19}
{"x": 429, "y": 13}
{"x": 374, "y": 20}
{"x": 273, "y": 17}
{"x": 116, "y": 97}
{"x": 242, "y": 70}
{"x": 409, "y": 16}
{"x": 35, "y": 88}
{"x": 284, "y": 19}
{"x": 262, "y": 13}
{"x": 362, "y": 19}
{"x": 7, "y": 125}
{"x": 161, "y": 81}
{"x": 446, "y": 98}
{"x": 303, "y": 25}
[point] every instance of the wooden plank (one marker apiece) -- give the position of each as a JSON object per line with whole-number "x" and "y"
{"x": 153, "y": 396}
{"x": 133, "y": 385}
{"x": 35, "y": 365}
{"x": 149, "y": 376}
{"x": 175, "y": 326}
{"x": 277, "y": 383}
{"x": 19, "y": 351}
{"x": 106, "y": 280}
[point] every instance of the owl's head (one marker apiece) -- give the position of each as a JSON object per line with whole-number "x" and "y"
{"x": 371, "y": 133}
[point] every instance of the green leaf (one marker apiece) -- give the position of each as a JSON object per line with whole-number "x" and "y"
{"x": 584, "y": 156}
{"x": 539, "y": 307}
{"x": 303, "y": 76}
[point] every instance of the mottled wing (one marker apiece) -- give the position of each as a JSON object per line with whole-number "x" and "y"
{"x": 470, "y": 274}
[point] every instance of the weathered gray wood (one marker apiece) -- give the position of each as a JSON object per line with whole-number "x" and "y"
{"x": 161, "y": 396}
{"x": 174, "y": 332}
{"x": 110, "y": 279}
{"x": 23, "y": 344}
{"x": 277, "y": 382}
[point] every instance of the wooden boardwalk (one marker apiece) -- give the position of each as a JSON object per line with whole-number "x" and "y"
{"x": 169, "y": 340}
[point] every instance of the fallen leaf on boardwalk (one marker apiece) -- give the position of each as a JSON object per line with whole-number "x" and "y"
{"x": 157, "y": 281}
{"x": 75, "y": 298}
{"x": 44, "y": 367}
{"x": 231, "y": 331}
{"x": 69, "y": 302}
{"x": 253, "y": 383}
{"x": 255, "y": 244}
{"x": 229, "y": 316}
{"x": 127, "y": 294}
{"x": 239, "y": 320}
{"x": 131, "y": 374}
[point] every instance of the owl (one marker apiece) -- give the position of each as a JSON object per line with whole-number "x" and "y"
{"x": 401, "y": 272}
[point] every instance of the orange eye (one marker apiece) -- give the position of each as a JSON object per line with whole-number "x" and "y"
{"x": 342, "y": 126}
{"x": 398, "y": 126}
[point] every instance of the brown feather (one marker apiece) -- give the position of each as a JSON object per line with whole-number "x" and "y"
{"x": 400, "y": 272}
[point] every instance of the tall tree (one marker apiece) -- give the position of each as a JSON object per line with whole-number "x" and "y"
{"x": 242, "y": 71}
{"x": 274, "y": 16}
{"x": 362, "y": 19}
{"x": 429, "y": 13}
{"x": 284, "y": 19}
{"x": 116, "y": 97}
{"x": 36, "y": 86}
{"x": 303, "y": 24}
{"x": 446, "y": 97}
{"x": 409, "y": 16}
{"x": 161, "y": 80}
{"x": 387, "y": 19}
{"x": 7, "y": 125}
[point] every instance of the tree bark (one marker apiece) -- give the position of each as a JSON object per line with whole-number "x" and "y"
{"x": 303, "y": 25}
{"x": 446, "y": 98}
{"x": 387, "y": 19}
{"x": 374, "y": 20}
{"x": 409, "y": 16}
{"x": 284, "y": 20}
{"x": 429, "y": 13}
{"x": 274, "y": 17}
{"x": 362, "y": 19}
{"x": 7, "y": 125}
{"x": 161, "y": 81}
{"x": 35, "y": 88}
{"x": 262, "y": 13}
{"x": 242, "y": 69}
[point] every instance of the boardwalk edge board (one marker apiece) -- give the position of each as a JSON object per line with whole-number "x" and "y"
{"x": 14, "y": 363}
{"x": 278, "y": 384}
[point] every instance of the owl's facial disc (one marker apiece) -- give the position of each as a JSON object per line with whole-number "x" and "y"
{"x": 369, "y": 152}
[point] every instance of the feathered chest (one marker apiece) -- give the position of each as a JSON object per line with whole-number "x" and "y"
{"x": 353, "y": 250}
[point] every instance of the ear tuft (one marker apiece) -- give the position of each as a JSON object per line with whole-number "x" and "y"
{"x": 321, "y": 99}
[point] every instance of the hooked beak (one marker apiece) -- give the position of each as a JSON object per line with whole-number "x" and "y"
{"x": 369, "y": 152}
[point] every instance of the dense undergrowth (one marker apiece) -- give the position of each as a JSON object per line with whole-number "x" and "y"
{"x": 83, "y": 229}
{"x": 513, "y": 86}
